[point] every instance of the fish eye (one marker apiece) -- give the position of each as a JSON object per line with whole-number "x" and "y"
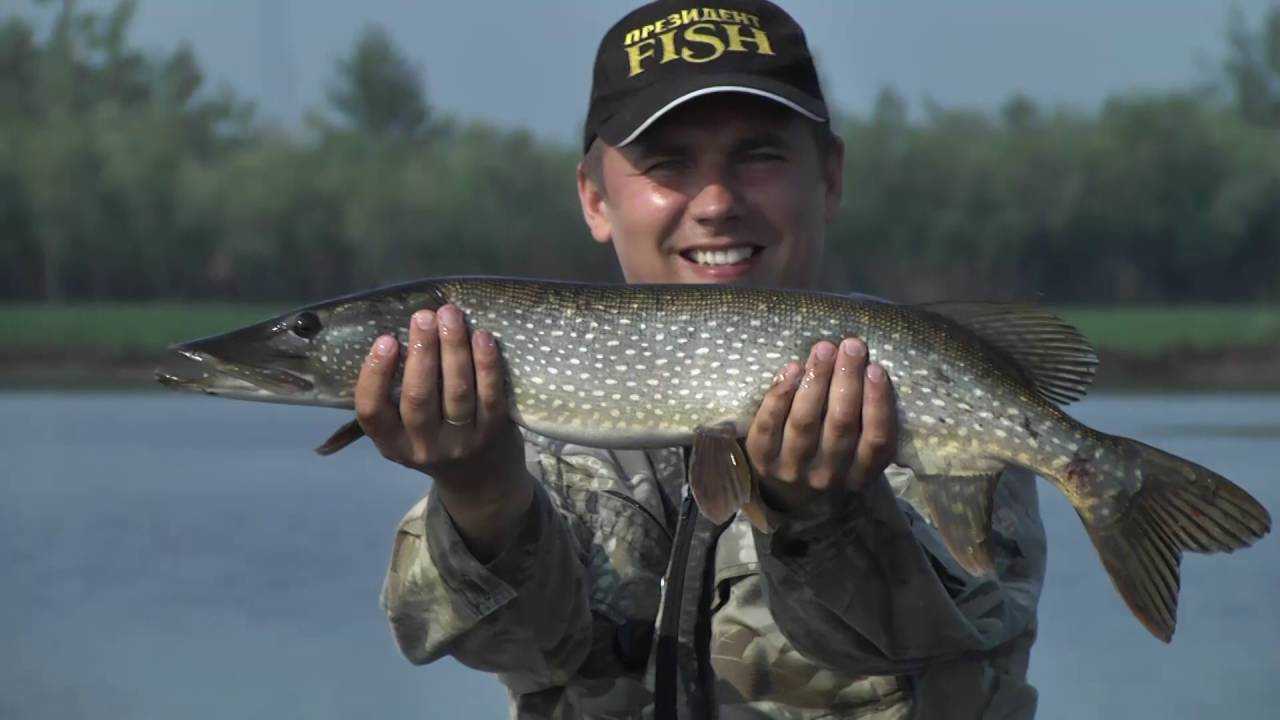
{"x": 306, "y": 325}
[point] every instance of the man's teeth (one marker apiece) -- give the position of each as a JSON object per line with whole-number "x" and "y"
{"x": 721, "y": 257}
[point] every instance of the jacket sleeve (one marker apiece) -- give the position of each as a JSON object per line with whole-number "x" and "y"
{"x": 524, "y": 615}
{"x": 870, "y": 587}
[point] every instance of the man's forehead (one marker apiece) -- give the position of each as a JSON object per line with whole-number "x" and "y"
{"x": 722, "y": 114}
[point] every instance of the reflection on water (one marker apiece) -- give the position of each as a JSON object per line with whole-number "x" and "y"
{"x": 172, "y": 556}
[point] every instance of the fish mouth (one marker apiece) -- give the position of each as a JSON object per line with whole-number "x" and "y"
{"x": 200, "y": 371}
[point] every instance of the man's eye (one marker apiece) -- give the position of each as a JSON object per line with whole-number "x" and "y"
{"x": 765, "y": 156}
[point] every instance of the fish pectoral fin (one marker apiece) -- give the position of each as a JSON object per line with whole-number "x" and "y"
{"x": 719, "y": 475}
{"x": 342, "y": 437}
{"x": 961, "y": 509}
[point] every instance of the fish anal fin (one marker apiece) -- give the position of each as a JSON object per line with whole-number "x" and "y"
{"x": 961, "y": 510}
{"x": 719, "y": 475}
{"x": 342, "y": 437}
{"x": 1053, "y": 355}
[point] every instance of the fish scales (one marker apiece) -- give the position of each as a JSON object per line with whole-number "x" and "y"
{"x": 978, "y": 389}
{"x": 643, "y": 366}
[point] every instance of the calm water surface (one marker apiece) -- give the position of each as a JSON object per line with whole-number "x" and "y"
{"x": 171, "y": 556}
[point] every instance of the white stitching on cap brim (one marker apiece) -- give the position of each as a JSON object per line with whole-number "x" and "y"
{"x": 716, "y": 89}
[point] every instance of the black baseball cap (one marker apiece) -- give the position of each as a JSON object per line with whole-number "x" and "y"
{"x": 667, "y": 52}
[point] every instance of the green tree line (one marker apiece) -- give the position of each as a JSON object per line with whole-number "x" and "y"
{"x": 123, "y": 177}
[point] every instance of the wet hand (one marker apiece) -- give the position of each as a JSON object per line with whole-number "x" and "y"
{"x": 452, "y": 411}
{"x": 828, "y": 426}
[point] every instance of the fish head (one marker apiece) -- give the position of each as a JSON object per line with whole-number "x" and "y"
{"x": 310, "y": 356}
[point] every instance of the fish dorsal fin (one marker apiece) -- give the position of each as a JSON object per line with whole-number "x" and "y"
{"x": 1054, "y": 356}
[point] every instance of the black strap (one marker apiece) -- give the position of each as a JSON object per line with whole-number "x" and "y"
{"x": 683, "y": 683}
{"x": 667, "y": 666}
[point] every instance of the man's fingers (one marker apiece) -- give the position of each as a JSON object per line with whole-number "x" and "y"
{"x": 374, "y": 411}
{"x": 843, "y": 421}
{"x": 420, "y": 389}
{"x": 764, "y": 437}
{"x": 459, "y": 392}
{"x": 804, "y": 423}
{"x": 878, "y": 442}
{"x": 491, "y": 397}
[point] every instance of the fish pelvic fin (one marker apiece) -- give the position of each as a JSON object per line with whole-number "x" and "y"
{"x": 719, "y": 475}
{"x": 342, "y": 437}
{"x": 1179, "y": 506}
{"x": 961, "y": 510}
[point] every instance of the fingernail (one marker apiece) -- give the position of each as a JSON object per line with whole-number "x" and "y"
{"x": 384, "y": 345}
{"x": 824, "y": 350}
{"x": 425, "y": 320}
{"x": 853, "y": 348}
{"x": 484, "y": 338}
{"x": 875, "y": 373}
{"x": 450, "y": 318}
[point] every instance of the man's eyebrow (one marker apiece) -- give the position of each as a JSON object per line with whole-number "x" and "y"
{"x": 760, "y": 140}
{"x": 657, "y": 146}
{"x": 667, "y": 147}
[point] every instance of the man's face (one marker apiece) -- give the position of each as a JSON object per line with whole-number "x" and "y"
{"x": 728, "y": 188}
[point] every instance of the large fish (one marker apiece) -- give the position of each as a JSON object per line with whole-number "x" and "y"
{"x": 979, "y": 388}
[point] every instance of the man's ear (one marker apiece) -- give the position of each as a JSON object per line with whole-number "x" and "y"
{"x": 593, "y": 201}
{"x": 833, "y": 176}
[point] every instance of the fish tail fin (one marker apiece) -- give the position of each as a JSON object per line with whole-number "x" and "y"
{"x": 1178, "y": 506}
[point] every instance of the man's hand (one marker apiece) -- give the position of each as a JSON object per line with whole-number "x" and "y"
{"x": 452, "y": 423}
{"x": 831, "y": 427}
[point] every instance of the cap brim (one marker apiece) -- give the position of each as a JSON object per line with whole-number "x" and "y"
{"x": 649, "y": 106}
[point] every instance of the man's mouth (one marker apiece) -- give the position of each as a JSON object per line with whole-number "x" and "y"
{"x": 718, "y": 258}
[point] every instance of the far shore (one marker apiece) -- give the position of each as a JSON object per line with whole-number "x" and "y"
{"x": 1187, "y": 368}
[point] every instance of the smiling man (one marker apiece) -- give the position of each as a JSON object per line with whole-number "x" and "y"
{"x": 584, "y": 577}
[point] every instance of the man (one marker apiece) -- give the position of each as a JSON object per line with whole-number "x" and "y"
{"x": 709, "y": 159}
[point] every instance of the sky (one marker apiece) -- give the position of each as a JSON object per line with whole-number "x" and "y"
{"x": 528, "y": 63}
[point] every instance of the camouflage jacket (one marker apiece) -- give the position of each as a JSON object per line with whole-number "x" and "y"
{"x": 849, "y": 612}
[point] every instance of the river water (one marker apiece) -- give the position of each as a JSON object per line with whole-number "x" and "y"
{"x": 166, "y": 556}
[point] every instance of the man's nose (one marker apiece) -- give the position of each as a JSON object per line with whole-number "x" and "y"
{"x": 717, "y": 199}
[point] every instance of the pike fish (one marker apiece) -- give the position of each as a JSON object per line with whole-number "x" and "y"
{"x": 979, "y": 388}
